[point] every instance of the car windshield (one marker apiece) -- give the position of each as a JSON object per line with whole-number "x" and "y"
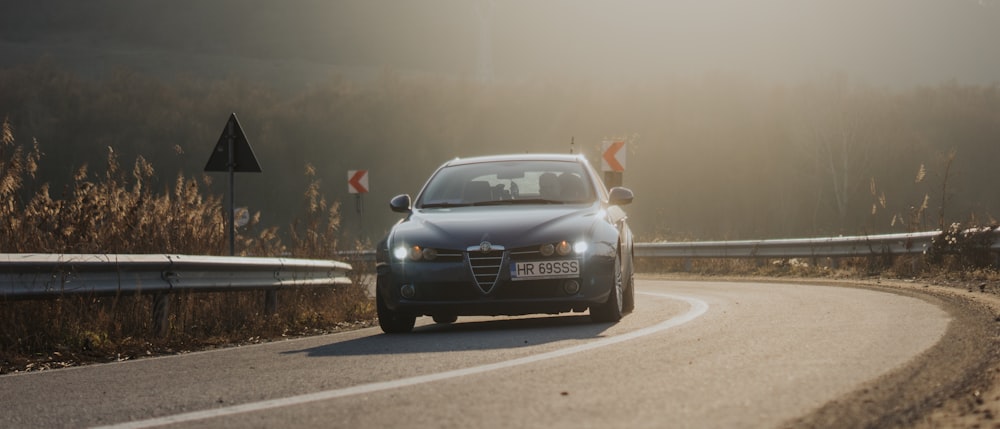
{"x": 508, "y": 182}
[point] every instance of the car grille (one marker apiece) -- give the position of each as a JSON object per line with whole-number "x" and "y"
{"x": 485, "y": 268}
{"x": 447, "y": 255}
{"x": 525, "y": 253}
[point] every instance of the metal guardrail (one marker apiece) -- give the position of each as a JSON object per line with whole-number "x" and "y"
{"x": 41, "y": 275}
{"x": 33, "y": 276}
{"x": 882, "y": 245}
{"x": 868, "y": 245}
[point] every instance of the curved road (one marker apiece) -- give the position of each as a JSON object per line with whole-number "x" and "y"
{"x": 693, "y": 354}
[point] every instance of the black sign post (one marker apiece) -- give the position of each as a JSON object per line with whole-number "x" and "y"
{"x": 232, "y": 153}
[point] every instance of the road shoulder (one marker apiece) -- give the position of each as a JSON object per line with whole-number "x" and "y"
{"x": 956, "y": 383}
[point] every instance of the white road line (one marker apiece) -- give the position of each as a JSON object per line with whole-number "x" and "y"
{"x": 698, "y": 307}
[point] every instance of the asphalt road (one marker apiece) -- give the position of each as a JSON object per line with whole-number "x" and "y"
{"x": 693, "y": 354}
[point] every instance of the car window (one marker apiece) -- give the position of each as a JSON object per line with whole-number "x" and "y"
{"x": 511, "y": 182}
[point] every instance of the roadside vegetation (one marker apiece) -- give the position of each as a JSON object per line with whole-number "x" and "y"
{"x": 117, "y": 209}
{"x": 712, "y": 158}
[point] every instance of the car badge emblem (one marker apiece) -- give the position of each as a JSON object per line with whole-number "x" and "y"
{"x": 485, "y": 247}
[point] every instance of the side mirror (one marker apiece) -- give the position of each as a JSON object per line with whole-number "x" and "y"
{"x": 400, "y": 203}
{"x": 620, "y": 196}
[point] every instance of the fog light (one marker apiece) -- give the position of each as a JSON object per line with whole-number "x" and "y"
{"x": 408, "y": 291}
{"x": 563, "y": 248}
{"x": 572, "y": 287}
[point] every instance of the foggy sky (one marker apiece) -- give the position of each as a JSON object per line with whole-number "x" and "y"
{"x": 883, "y": 42}
{"x": 892, "y": 42}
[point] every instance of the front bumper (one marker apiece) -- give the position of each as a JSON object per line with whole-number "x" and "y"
{"x": 450, "y": 287}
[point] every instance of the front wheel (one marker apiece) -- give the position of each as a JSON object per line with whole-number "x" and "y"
{"x": 628, "y": 303}
{"x": 612, "y": 309}
{"x": 392, "y": 322}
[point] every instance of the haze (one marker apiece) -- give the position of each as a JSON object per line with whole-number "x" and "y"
{"x": 890, "y": 42}
{"x": 763, "y": 119}
{"x": 882, "y": 42}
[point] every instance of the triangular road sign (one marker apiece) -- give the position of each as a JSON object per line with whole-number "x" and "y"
{"x": 243, "y": 157}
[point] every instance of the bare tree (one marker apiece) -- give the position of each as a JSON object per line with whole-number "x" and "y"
{"x": 838, "y": 133}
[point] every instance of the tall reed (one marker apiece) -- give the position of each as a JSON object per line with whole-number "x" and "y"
{"x": 119, "y": 211}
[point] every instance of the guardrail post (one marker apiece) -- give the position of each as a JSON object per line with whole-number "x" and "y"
{"x": 688, "y": 265}
{"x": 161, "y": 313}
{"x": 270, "y": 302}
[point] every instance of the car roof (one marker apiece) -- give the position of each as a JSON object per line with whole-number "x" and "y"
{"x": 518, "y": 157}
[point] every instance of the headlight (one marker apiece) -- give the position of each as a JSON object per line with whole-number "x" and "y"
{"x": 563, "y": 248}
{"x": 429, "y": 254}
{"x": 414, "y": 253}
{"x": 400, "y": 252}
{"x": 547, "y": 249}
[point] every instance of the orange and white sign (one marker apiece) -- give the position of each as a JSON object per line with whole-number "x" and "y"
{"x": 357, "y": 181}
{"x": 613, "y": 156}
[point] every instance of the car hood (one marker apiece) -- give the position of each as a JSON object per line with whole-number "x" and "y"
{"x": 508, "y": 226}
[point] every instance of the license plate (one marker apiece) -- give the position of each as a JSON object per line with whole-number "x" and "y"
{"x": 533, "y": 270}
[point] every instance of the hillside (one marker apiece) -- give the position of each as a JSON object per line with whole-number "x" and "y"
{"x": 895, "y": 42}
{"x": 394, "y": 87}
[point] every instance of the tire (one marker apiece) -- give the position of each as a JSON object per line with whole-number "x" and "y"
{"x": 628, "y": 303}
{"x": 612, "y": 309}
{"x": 444, "y": 319}
{"x": 392, "y": 322}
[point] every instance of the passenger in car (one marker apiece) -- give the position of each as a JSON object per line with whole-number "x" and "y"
{"x": 548, "y": 186}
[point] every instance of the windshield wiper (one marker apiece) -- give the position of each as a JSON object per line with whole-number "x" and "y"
{"x": 443, "y": 205}
{"x": 523, "y": 201}
{"x": 493, "y": 203}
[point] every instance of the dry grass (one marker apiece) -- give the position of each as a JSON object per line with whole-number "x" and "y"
{"x": 118, "y": 212}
